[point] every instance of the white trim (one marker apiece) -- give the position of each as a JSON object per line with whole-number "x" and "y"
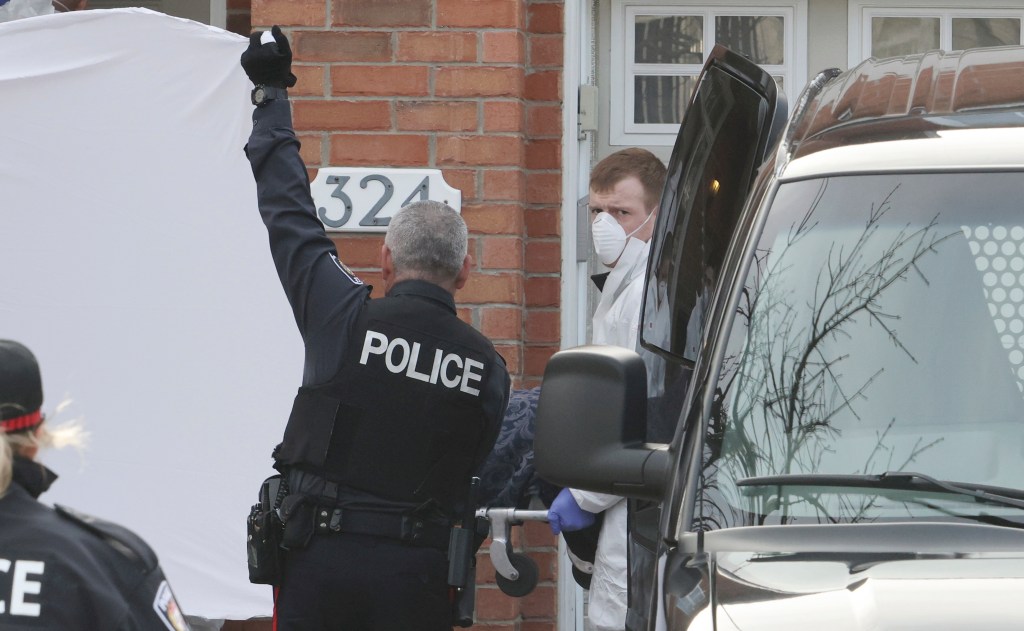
{"x": 860, "y": 11}
{"x": 573, "y": 54}
{"x": 625, "y": 132}
{"x": 219, "y": 13}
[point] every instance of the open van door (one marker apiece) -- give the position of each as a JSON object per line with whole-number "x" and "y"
{"x": 731, "y": 125}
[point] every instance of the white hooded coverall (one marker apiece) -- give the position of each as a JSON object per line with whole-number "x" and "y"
{"x": 616, "y": 322}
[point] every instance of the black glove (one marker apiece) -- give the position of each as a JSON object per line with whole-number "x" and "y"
{"x": 269, "y": 64}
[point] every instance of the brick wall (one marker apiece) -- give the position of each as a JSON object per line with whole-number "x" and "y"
{"x": 472, "y": 87}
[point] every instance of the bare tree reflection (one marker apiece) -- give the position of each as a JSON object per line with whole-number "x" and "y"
{"x": 776, "y": 409}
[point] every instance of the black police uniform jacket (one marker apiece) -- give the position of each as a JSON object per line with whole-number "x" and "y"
{"x": 401, "y": 400}
{"x": 61, "y": 570}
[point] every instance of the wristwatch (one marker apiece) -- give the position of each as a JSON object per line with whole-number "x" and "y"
{"x": 263, "y": 94}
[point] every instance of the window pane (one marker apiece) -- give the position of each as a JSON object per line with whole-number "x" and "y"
{"x": 759, "y": 37}
{"x": 891, "y": 37}
{"x": 661, "y": 99}
{"x": 981, "y": 32}
{"x": 669, "y": 39}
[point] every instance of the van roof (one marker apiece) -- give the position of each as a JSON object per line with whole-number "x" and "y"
{"x": 918, "y": 97}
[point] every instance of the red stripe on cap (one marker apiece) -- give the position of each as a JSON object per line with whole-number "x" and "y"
{"x": 22, "y": 422}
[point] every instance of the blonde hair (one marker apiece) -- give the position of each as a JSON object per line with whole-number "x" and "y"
{"x": 68, "y": 434}
{"x": 5, "y": 464}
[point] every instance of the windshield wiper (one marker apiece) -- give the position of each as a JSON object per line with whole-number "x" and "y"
{"x": 893, "y": 480}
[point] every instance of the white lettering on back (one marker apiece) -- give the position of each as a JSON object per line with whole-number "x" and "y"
{"x": 369, "y": 345}
{"x": 22, "y": 586}
{"x": 402, "y": 357}
{"x": 468, "y": 375}
{"x": 389, "y": 358}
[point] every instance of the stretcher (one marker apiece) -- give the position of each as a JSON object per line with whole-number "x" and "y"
{"x": 516, "y": 574}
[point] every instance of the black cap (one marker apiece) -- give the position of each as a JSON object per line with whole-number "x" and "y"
{"x": 21, "y": 388}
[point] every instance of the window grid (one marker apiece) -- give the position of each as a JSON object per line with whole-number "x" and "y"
{"x": 626, "y": 70}
{"x": 862, "y": 15}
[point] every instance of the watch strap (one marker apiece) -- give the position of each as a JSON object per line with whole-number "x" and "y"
{"x": 265, "y": 93}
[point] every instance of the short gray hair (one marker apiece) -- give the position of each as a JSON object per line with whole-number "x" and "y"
{"x": 428, "y": 240}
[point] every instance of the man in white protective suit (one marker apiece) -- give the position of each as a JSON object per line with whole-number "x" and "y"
{"x": 625, "y": 190}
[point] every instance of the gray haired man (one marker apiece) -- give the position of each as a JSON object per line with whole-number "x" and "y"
{"x": 400, "y": 402}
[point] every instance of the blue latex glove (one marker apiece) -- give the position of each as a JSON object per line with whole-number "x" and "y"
{"x": 565, "y": 514}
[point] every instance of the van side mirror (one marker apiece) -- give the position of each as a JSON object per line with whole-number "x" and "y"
{"x": 591, "y": 424}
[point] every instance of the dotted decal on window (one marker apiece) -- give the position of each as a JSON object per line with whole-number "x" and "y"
{"x": 999, "y": 255}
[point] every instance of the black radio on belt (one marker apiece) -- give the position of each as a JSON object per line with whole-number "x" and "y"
{"x": 265, "y": 529}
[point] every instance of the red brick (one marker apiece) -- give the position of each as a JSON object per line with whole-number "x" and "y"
{"x": 239, "y": 5}
{"x": 477, "y": 14}
{"x": 493, "y": 604}
{"x": 341, "y": 46}
{"x": 239, "y": 23}
{"x": 293, "y": 13}
{"x": 544, "y": 120}
{"x": 359, "y": 252}
{"x": 479, "y": 81}
{"x": 342, "y": 115}
{"x": 537, "y": 535}
{"x": 374, "y": 279}
{"x": 485, "y": 574}
{"x": 464, "y": 180}
{"x": 502, "y": 253}
{"x": 544, "y": 154}
{"x": 545, "y": 18}
{"x": 492, "y": 288}
{"x": 543, "y": 222}
{"x": 380, "y": 80}
{"x": 465, "y": 314}
{"x": 547, "y": 564}
{"x": 311, "y": 149}
{"x": 504, "y": 47}
{"x": 436, "y": 115}
{"x": 503, "y": 116}
{"x": 542, "y": 602}
{"x": 501, "y": 324}
{"x": 538, "y": 625}
{"x": 309, "y": 81}
{"x": 543, "y": 291}
{"x": 543, "y": 257}
{"x": 513, "y": 356}
{"x": 544, "y": 188}
{"x": 382, "y": 12}
{"x": 535, "y": 358}
{"x": 504, "y": 184}
{"x": 385, "y": 150}
{"x": 543, "y": 326}
{"x": 494, "y": 218}
{"x": 424, "y": 47}
{"x": 479, "y": 150}
{"x": 545, "y": 85}
{"x": 545, "y": 50}
{"x": 528, "y": 383}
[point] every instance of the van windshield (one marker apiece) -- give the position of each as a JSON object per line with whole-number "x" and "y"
{"x": 880, "y": 330}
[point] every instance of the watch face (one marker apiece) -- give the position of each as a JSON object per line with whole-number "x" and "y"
{"x": 259, "y": 95}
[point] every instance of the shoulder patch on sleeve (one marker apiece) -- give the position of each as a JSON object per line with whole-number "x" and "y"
{"x": 167, "y": 609}
{"x": 126, "y": 542}
{"x": 346, "y": 271}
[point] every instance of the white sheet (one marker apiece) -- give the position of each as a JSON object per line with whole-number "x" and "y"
{"x": 134, "y": 263}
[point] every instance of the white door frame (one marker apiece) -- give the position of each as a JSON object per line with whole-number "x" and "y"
{"x": 577, "y": 69}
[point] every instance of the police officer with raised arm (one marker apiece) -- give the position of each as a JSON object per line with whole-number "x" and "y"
{"x": 400, "y": 400}
{"x": 61, "y": 570}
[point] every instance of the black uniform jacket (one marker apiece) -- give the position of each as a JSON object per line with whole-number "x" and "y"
{"x": 61, "y": 570}
{"x": 331, "y": 307}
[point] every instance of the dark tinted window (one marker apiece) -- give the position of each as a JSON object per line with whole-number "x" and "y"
{"x": 708, "y": 179}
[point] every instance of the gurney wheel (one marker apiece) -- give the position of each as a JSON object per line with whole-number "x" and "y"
{"x": 528, "y": 576}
